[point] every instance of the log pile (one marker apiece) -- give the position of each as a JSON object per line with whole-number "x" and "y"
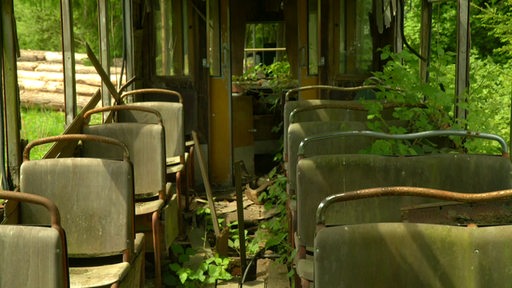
{"x": 41, "y": 79}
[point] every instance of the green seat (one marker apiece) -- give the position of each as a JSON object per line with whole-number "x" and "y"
{"x": 397, "y": 254}
{"x": 33, "y": 256}
{"x": 95, "y": 197}
{"x": 146, "y": 145}
{"x": 321, "y": 176}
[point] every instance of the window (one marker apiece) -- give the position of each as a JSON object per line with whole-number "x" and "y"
{"x": 264, "y": 44}
{"x": 313, "y": 32}
{"x": 355, "y": 39}
{"x": 171, "y": 24}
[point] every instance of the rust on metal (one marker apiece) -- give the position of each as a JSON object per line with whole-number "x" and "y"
{"x": 75, "y": 137}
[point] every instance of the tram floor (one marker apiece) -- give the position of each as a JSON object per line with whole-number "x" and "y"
{"x": 269, "y": 273}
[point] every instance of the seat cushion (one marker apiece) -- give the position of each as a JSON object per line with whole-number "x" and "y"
{"x": 42, "y": 246}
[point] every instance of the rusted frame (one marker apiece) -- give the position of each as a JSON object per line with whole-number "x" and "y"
{"x": 54, "y": 221}
{"x": 406, "y": 191}
{"x": 326, "y": 87}
{"x": 425, "y": 134}
{"x": 75, "y": 138}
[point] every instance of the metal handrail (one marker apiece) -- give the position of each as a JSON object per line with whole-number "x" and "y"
{"x": 410, "y": 136}
{"x": 123, "y": 108}
{"x": 153, "y": 91}
{"x": 328, "y": 87}
{"x": 75, "y": 137}
{"x": 406, "y": 191}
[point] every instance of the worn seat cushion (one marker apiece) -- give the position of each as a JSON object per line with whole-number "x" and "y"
{"x": 172, "y": 120}
{"x": 413, "y": 255}
{"x": 31, "y": 256}
{"x": 147, "y": 153}
{"x": 297, "y": 132}
{"x": 90, "y": 184}
{"x": 321, "y": 176}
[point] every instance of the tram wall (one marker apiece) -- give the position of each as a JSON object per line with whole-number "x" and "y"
{"x": 41, "y": 79}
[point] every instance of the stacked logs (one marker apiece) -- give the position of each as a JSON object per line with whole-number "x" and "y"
{"x": 41, "y": 79}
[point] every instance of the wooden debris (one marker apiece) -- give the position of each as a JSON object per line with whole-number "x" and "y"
{"x": 253, "y": 194}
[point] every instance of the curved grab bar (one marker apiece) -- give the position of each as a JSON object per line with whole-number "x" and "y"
{"x": 327, "y": 87}
{"x": 75, "y": 137}
{"x": 123, "y": 108}
{"x": 407, "y": 191}
{"x": 153, "y": 91}
{"x": 54, "y": 219}
{"x": 348, "y": 105}
{"x": 35, "y": 199}
{"x": 410, "y": 136}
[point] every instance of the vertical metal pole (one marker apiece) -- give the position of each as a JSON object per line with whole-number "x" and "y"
{"x": 2, "y": 127}
{"x": 104, "y": 28}
{"x": 240, "y": 215}
{"x": 463, "y": 49}
{"x": 10, "y": 90}
{"x": 128, "y": 38}
{"x": 68, "y": 59}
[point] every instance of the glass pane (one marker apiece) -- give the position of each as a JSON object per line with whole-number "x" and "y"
{"x": 356, "y": 50}
{"x": 363, "y": 41}
{"x": 264, "y": 44}
{"x": 313, "y": 37}
{"x": 171, "y": 35}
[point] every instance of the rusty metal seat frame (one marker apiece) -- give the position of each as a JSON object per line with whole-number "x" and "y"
{"x": 179, "y": 159}
{"x": 412, "y": 254}
{"x": 96, "y": 200}
{"x": 174, "y": 123}
{"x": 32, "y": 255}
{"x": 146, "y": 144}
{"x": 330, "y": 174}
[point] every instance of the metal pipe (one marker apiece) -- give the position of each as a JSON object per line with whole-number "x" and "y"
{"x": 407, "y": 191}
{"x": 240, "y": 216}
{"x": 410, "y": 136}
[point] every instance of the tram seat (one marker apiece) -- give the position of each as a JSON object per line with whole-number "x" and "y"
{"x": 331, "y": 174}
{"x": 314, "y": 109}
{"x": 33, "y": 256}
{"x": 179, "y": 167}
{"x": 298, "y": 132}
{"x": 297, "y": 111}
{"x": 153, "y": 196}
{"x": 95, "y": 198}
{"x": 398, "y": 254}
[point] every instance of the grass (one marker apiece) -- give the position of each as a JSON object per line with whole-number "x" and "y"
{"x": 38, "y": 123}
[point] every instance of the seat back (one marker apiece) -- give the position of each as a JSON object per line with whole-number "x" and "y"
{"x": 297, "y": 132}
{"x": 315, "y": 115}
{"x": 413, "y": 254}
{"x": 169, "y": 104}
{"x": 145, "y": 142}
{"x": 33, "y": 256}
{"x": 95, "y": 197}
{"x": 324, "y": 175}
{"x": 173, "y": 123}
{"x": 327, "y": 110}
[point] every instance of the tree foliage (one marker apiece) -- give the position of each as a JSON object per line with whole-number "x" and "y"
{"x": 39, "y": 25}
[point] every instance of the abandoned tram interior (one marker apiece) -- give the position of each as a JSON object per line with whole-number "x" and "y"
{"x": 198, "y": 113}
